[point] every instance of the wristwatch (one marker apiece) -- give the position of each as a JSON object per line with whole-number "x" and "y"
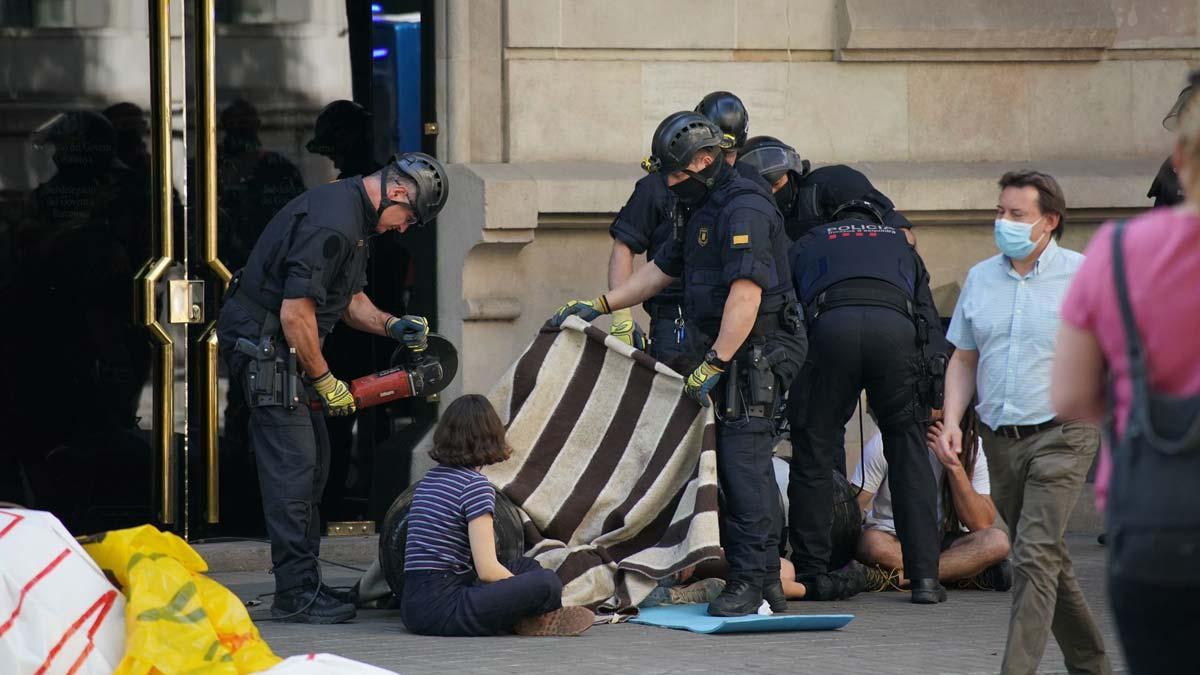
{"x": 712, "y": 359}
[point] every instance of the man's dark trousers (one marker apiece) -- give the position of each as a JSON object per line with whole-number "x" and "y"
{"x": 751, "y": 516}
{"x": 291, "y": 449}
{"x": 851, "y": 349}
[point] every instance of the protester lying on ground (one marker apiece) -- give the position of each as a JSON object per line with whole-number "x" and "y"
{"x": 974, "y": 551}
{"x": 454, "y": 585}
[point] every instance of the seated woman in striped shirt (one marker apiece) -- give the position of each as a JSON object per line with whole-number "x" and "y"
{"x": 453, "y": 583}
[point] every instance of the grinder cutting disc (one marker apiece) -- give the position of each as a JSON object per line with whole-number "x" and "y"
{"x": 439, "y": 351}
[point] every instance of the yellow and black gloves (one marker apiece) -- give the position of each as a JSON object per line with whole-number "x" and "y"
{"x": 338, "y": 399}
{"x": 410, "y": 330}
{"x": 705, "y": 378}
{"x": 587, "y": 310}
{"x": 626, "y": 330}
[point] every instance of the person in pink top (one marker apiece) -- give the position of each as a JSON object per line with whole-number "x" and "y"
{"x": 1132, "y": 318}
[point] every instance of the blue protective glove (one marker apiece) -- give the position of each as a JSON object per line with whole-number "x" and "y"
{"x": 410, "y": 330}
{"x": 587, "y": 310}
{"x": 702, "y": 381}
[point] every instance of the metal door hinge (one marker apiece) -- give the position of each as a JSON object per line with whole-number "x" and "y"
{"x": 431, "y": 129}
{"x": 187, "y": 301}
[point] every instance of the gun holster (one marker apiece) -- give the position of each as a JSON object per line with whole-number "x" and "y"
{"x": 272, "y": 378}
{"x": 752, "y": 389}
{"x": 936, "y": 370}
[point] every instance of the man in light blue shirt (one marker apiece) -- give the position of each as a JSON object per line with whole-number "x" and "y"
{"x": 1004, "y": 329}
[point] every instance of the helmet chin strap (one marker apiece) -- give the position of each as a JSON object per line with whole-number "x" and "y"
{"x": 709, "y": 174}
{"x": 384, "y": 201}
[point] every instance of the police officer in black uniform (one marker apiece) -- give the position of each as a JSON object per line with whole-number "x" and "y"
{"x": 738, "y": 297}
{"x": 807, "y": 197}
{"x": 305, "y": 273}
{"x": 643, "y": 225}
{"x": 728, "y": 112}
{"x": 872, "y": 324}
{"x": 648, "y": 219}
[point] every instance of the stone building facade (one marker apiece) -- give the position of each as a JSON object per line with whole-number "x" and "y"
{"x": 550, "y": 104}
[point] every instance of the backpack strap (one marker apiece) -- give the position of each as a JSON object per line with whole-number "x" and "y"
{"x": 1134, "y": 351}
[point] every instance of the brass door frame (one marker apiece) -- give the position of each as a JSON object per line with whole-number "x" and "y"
{"x": 206, "y": 175}
{"x": 163, "y": 256}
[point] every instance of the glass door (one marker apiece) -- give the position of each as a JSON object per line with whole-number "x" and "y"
{"x": 143, "y": 148}
{"x": 285, "y": 95}
{"x": 93, "y": 261}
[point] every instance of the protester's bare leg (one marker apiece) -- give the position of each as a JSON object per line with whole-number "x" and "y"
{"x": 794, "y": 590}
{"x": 973, "y": 553}
{"x": 876, "y": 547}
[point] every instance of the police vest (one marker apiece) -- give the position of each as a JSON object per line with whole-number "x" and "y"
{"x": 853, "y": 249}
{"x": 704, "y": 287}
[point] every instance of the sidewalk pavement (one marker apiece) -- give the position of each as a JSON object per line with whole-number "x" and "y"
{"x": 889, "y": 635}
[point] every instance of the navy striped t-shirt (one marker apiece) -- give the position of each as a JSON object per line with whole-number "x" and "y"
{"x": 446, "y": 499}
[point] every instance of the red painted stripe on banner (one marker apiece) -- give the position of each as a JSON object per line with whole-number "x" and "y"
{"x": 16, "y": 519}
{"x": 103, "y": 604}
{"x": 29, "y": 586}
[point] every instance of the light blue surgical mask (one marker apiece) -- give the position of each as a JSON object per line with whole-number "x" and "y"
{"x": 1012, "y": 238}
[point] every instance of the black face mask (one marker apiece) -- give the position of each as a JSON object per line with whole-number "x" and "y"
{"x": 690, "y": 191}
{"x": 693, "y": 190}
{"x": 786, "y": 196}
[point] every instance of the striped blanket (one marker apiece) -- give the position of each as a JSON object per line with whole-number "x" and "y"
{"x": 614, "y": 468}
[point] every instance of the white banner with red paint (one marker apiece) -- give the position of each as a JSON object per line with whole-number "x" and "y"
{"x": 58, "y": 612}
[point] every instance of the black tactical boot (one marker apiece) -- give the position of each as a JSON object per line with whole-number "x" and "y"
{"x": 310, "y": 605}
{"x": 738, "y": 599}
{"x": 927, "y": 592}
{"x": 346, "y": 595}
{"x": 841, "y": 584}
{"x": 774, "y": 595}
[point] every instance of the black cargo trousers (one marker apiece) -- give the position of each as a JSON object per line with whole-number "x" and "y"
{"x": 291, "y": 449}
{"x": 850, "y": 349}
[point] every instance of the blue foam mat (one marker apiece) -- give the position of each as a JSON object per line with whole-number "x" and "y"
{"x": 696, "y": 619}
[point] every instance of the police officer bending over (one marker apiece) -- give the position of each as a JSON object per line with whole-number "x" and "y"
{"x": 648, "y": 219}
{"x": 306, "y": 272}
{"x": 809, "y": 198}
{"x": 871, "y": 322}
{"x": 738, "y": 297}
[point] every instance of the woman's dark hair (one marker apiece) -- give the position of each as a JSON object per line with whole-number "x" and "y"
{"x": 470, "y": 433}
{"x": 970, "y": 454}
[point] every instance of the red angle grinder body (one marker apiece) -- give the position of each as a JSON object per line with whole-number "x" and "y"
{"x": 379, "y": 388}
{"x": 423, "y": 374}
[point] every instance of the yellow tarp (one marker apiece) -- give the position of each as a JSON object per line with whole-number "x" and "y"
{"x": 176, "y": 619}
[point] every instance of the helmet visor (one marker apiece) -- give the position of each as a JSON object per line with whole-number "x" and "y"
{"x": 1171, "y": 121}
{"x": 772, "y": 161}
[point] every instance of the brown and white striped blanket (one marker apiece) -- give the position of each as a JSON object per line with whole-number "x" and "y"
{"x": 613, "y": 466}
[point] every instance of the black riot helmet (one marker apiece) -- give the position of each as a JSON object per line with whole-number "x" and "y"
{"x": 772, "y": 158}
{"x": 727, "y": 112}
{"x": 428, "y": 174}
{"x": 341, "y": 125}
{"x": 861, "y": 207}
{"x": 677, "y": 140}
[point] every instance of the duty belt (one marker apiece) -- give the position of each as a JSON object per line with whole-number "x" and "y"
{"x": 669, "y": 311}
{"x": 862, "y": 293}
